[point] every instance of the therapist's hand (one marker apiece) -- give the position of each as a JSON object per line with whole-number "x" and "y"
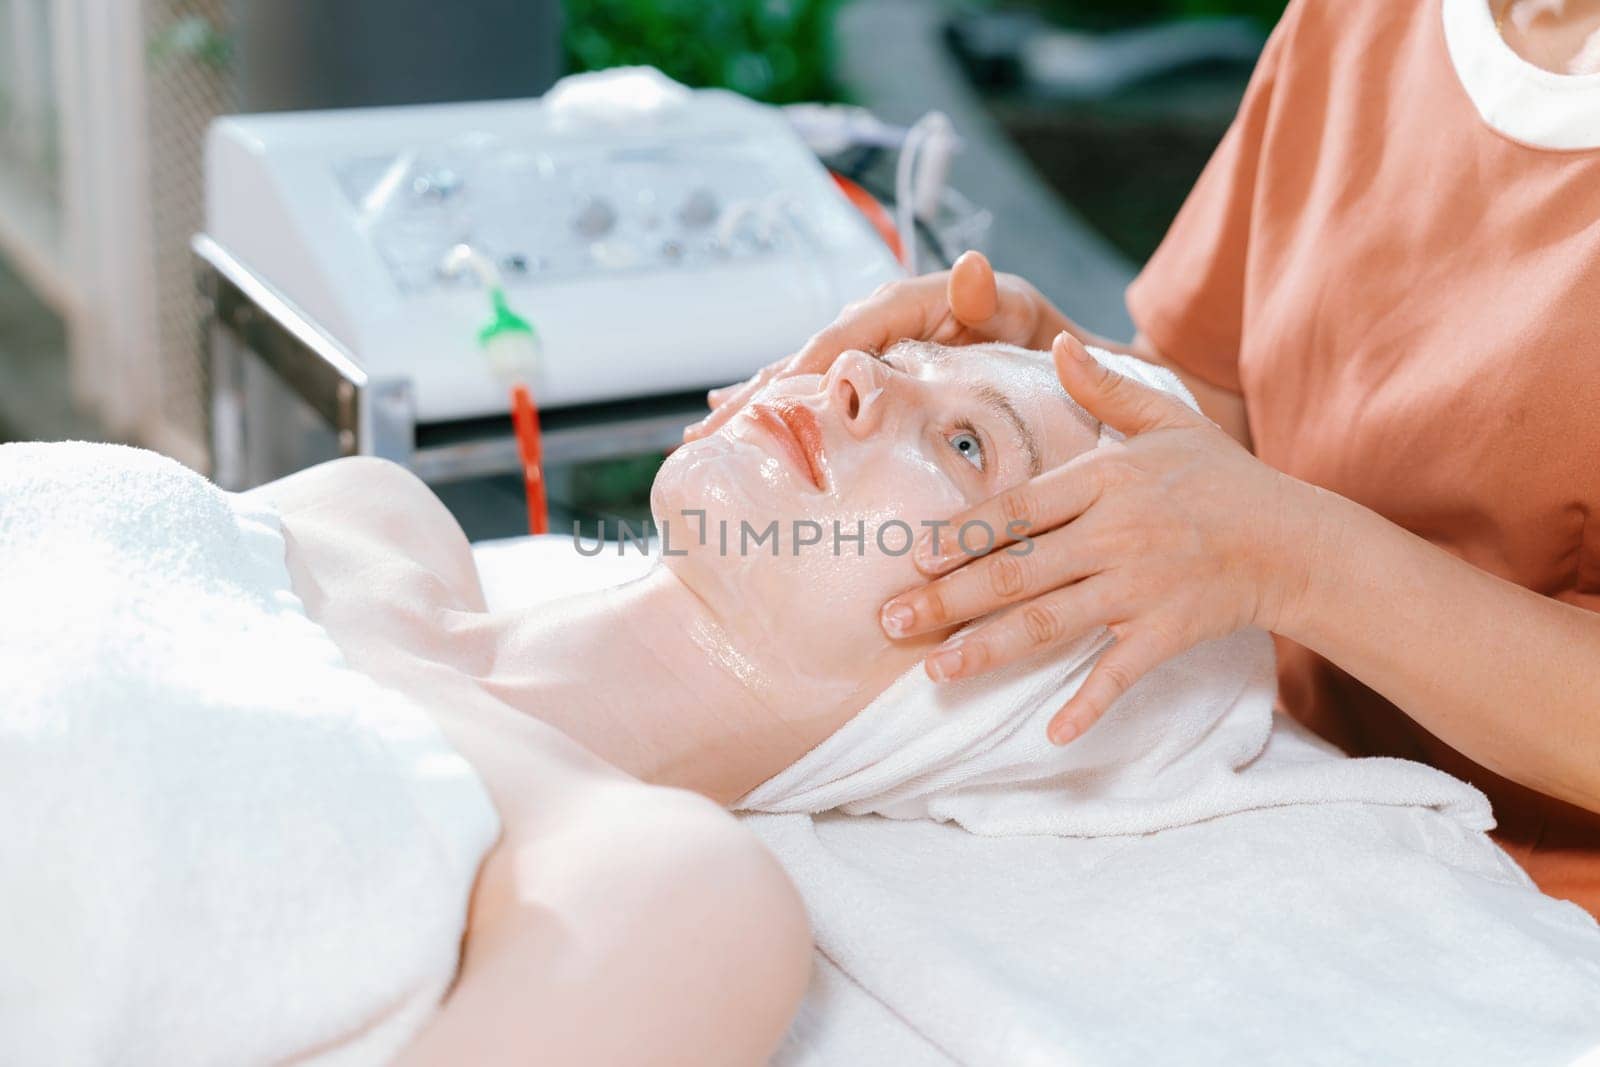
{"x": 964, "y": 305}
{"x": 1175, "y": 536}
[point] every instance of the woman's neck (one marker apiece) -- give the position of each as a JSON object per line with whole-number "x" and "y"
{"x": 648, "y": 678}
{"x": 1562, "y": 36}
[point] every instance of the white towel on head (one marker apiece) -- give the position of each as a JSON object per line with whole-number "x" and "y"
{"x": 1182, "y": 746}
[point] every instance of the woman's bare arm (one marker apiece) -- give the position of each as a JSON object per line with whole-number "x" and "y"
{"x": 1508, "y": 677}
{"x": 645, "y": 926}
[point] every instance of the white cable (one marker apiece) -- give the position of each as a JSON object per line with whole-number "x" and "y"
{"x": 934, "y": 127}
{"x": 463, "y": 258}
{"x": 832, "y": 128}
{"x": 933, "y": 167}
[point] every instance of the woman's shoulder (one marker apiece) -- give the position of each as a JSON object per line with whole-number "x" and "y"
{"x": 384, "y": 507}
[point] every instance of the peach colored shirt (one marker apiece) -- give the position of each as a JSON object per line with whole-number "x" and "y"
{"x": 1407, "y": 295}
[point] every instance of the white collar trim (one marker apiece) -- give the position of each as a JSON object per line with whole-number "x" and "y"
{"x": 1526, "y": 103}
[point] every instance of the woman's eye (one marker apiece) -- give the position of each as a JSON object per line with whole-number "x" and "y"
{"x": 966, "y": 442}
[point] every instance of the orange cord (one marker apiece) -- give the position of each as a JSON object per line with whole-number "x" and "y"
{"x": 525, "y": 418}
{"x": 875, "y": 212}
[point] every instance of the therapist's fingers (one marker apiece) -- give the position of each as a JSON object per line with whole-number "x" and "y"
{"x": 1014, "y": 517}
{"x": 732, "y": 398}
{"x": 967, "y": 303}
{"x": 1115, "y": 399}
{"x": 1138, "y": 650}
{"x": 1003, "y": 577}
{"x": 910, "y": 307}
{"x": 974, "y": 297}
{"x": 1026, "y": 629}
{"x": 997, "y": 307}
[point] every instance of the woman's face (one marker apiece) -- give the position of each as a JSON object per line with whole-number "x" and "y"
{"x": 796, "y": 520}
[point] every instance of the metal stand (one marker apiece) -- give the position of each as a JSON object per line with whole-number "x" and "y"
{"x": 284, "y": 395}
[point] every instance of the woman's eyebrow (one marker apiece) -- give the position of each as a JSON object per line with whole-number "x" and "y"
{"x": 996, "y": 401}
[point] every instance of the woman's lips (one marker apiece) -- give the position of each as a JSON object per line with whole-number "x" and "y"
{"x": 795, "y": 427}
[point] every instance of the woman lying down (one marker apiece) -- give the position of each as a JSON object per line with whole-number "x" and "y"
{"x": 281, "y": 788}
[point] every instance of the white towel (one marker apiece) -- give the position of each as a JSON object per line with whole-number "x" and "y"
{"x": 1320, "y": 934}
{"x": 1174, "y": 750}
{"x": 220, "y": 843}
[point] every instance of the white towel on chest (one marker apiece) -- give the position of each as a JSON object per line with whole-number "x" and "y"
{"x": 220, "y": 845}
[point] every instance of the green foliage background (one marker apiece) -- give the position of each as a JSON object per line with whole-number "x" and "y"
{"x": 781, "y": 51}
{"x": 1108, "y": 14}
{"x": 774, "y": 50}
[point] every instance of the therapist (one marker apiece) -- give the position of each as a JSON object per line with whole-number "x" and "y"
{"x": 1386, "y": 287}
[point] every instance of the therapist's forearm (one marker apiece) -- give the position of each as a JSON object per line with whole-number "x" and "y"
{"x": 1506, "y": 676}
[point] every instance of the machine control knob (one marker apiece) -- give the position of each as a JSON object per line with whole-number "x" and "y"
{"x": 596, "y": 218}
{"x": 699, "y": 209}
{"x": 437, "y": 185}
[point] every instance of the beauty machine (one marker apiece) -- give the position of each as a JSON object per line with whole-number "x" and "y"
{"x": 381, "y": 280}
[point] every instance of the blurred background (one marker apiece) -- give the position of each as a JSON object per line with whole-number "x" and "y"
{"x": 1082, "y": 125}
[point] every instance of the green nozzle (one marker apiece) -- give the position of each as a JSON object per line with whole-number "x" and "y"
{"x": 505, "y": 320}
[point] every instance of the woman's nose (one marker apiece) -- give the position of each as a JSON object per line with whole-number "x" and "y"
{"x": 854, "y": 387}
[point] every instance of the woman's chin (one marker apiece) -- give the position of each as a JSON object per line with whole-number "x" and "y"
{"x": 723, "y": 482}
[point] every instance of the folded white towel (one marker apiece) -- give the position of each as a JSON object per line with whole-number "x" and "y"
{"x": 1180, "y": 747}
{"x": 220, "y": 843}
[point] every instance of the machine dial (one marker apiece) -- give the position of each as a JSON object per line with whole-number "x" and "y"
{"x": 596, "y": 218}
{"x": 437, "y": 184}
{"x": 699, "y": 209}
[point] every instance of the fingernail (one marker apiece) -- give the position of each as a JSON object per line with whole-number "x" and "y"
{"x": 926, "y": 557}
{"x": 1062, "y": 732}
{"x": 1079, "y": 352}
{"x": 944, "y": 664}
{"x": 898, "y": 619}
